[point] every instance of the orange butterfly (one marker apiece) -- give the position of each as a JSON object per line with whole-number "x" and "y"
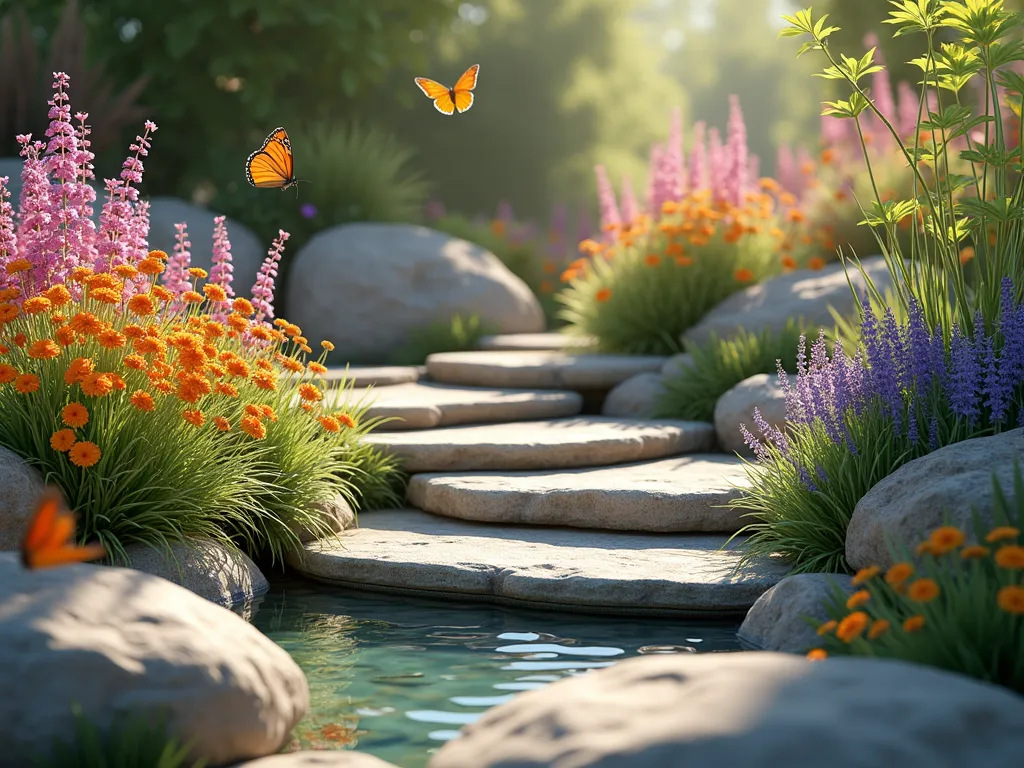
{"x": 271, "y": 166}
{"x": 47, "y": 540}
{"x": 447, "y": 100}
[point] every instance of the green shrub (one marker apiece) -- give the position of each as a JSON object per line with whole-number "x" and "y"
{"x": 959, "y": 608}
{"x": 721, "y": 364}
{"x": 132, "y": 742}
{"x": 456, "y": 335}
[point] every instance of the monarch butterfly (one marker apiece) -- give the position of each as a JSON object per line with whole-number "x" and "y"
{"x": 47, "y": 540}
{"x": 459, "y": 96}
{"x": 271, "y": 166}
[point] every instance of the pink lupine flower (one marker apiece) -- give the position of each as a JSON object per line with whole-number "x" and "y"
{"x": 35, "y": 215}
{"x": 907, "y": 103}
{"x": 263, "y": 289}
{"x": 734, "y": 184}
{"x": 610, "y": 218}
{"x": 117, "y": 246}
{"x": 674, "y": 164}
{"x": 222, "y": 270}
{"x": 651, "y": 201}
{"x": 753, "y": 167}
{"x": 630, "y": 207}
{"x": 698, "y": 176}
{"x": 786, "y": 172}
{"x": 175, "y": 276}
{"x": 8, "y": 235}
{"x": 834, "y": 131}
{"x": 881, "y": 93}
{"x": 717, "y": 163}
{"x": 82, "y": 195}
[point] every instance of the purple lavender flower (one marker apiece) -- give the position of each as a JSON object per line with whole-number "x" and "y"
{"x": 308, "y": 211}
{"x": 964, "y": 377}
{"x": 263, "y": 289}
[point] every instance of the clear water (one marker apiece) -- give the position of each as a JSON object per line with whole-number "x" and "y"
{"x": 397, "y": 677}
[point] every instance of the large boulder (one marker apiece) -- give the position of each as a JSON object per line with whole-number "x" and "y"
{"x": 117, "y": 641}
{"x": 756, "y": 710}
{"x": 934, "y": 490}
{"x": 778, "y": 620}
{"x": 637, "y": 397}
{"x": 737, "y": 405}
{"x": 317, "y": 759}
{"x": 247, "y": 252}
{"x": 367, "y": 287}
{"x": 801, "y": 294}
{"x": 20, "y": 486}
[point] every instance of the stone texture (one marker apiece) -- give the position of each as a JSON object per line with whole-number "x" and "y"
{"x": 425, "y": 405}
{"x": 684, "y": 494}
{"x": 549, "y": 341}
{"x": 20, "y": 486}
{"x": 373, "y": 376}
{"x": 556, "y": 568}
{"x": 636, "y": 397}
{"x": 737, "y": 405}
{"x": 676, "y": 365}
{"x": 529, "y": 369}
{"x": 926, "y": 493}
{"x": 206, "y": 568}
{"x": 317, "y": 759}
{"x": 247, "y": 252}
{"x": 115, "y": 640}
{"x": 335, "y": 514}
{"x": 802, "y": 293}
{"x": 585, "y": 441}
{"x": 776, "y": 621}
{"x": 756, "y": 710}
{"x": 368, "y": 286}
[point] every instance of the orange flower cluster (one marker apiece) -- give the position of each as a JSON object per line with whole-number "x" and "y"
{"x": 106, "y": 349}
{"x": 899, "y": 579}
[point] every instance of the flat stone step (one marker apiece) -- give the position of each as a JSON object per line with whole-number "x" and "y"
{"x": 422, "y": 405}
{"x": 373, "y": 376}
{"x": 683, "y": 494}
{"x": 567, "y": 569}
{"x": 551, "y": 341}
{"x": 584, "y": 441}
{"x": 538, "y": 369}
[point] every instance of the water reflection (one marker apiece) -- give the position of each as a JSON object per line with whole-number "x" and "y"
{"x": 397, "y": 677}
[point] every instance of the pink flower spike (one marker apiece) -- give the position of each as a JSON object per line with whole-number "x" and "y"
{"x": 717, "y": 165}
{"x": 698, "y": 175}
{"x": 630, "y": 207}
{"x": 610, "y": 218}
{"x": 175, "y": 276}
{"x": 8, "y": 235}
{"x": 263, "y": 289}
{"x": 734, "y": 186}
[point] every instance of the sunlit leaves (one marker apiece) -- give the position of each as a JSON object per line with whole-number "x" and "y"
{"x": 801, "y": 23}
{"x": 852, "y": 69}
{"x": 849, "y": 108}
{"x": 915, "y": 16}
{"x": 890, "y": 213}
{"x": 1001, "y": 210}
{"x": 983, "y": 22}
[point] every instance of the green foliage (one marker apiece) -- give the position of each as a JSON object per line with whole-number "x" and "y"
{"x": 721, "y": 364}
{"x": 972, "y": 606}
{"x": 134, "y": 741}
{"x": 458, "y": 334}
{"x": 354, "y": 173}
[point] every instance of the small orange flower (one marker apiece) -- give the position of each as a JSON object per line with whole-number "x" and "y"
{"x": 345, "y": 420}
{"x": 157, "y": 254}
{"x": 142, "y": 400}
{"x": 66, "y": 336}
{"x": 62, "y": 440}
{"x": 265, "y": 380}
{"x": 878, "y": 627}
{"x": 8, "y": 312}
{"x": 75, "y": 415}
{"x": 84, "y": 454}
{"x": 162, "y": 293}
{"x": 817, "y": 654}
{"x": 1001, "y": 533}
{"x": 228, "y": 390}
{"x": 6, "y": 294}
{"x": 923, "y": 590}
{"x": 652, "y": 259}
{"x": 946, "y": 539}
{"x": 913, "y": 624}
{"x": 215, "y": 292}
{"x": 192, "y": 297}
{"x": 828, "y": 626}
{"x": 111, "y": 339}
{"x": 141, "y": 304}
{"x": 852, "y": 626}
{"x": 97, "y": 385}
{"x": 858, "y": 599}
{"x": 196, "y": 418}
{"x": 327, "y": 345}
{"x": 788, "y": 262}
{"x": 743, "y": 275}
{"x": 151, "y": 266}
{"x": 149, "y": 345}
{"x": 898, "y": 574}
{"x": 243, "y": 307}
{"x": 36, "y": 305}
{"x": 253, "y": 427}
{"x": 1011, "y": 599}
{"x": 133, "y": 331}
{"x": 259, "y": 332}
{"x": 925, "y": 548}
{"x": 267, "y": 412}
{"x": 135, "y": 362}
{"x": 79, "y": 274}
{"x": 603, "y": 294}
{"x": 20, "y": 339}
{"x": 866, "y": 574}
{"x": 44, "y": 349}
{"x": 193, "y": 387}
{"x": 974, "y": 552}
{"x": 197, "y": 273}
{"x": 330, "y": 424}
{"x": 8, "y": 373}
{"x": 966, "y": 254}
{"x": 1010, "y": 556}
{"x": 163, "y": 387}
{"x": 221, "y": 423}
{"x": 318, "y": 369}
{"x": 816, "y": 263}
{"x": 310, "y": 393}
{"x": 18, "y": 265}
{"x": 125, "y": 271}
{"x": 26, "y": 383}
{"x": 105, "y": 295}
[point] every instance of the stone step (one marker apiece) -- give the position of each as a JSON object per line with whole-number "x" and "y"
{"x": 584, "y": 441}
{"x": 551, "y": 341}
{"x": 528, "y": 369}
{"x": 567, "y": 569}
{"x": 683, "y": 494}
{"x": 423, "y": 405}
{"x": 374, "y": 376}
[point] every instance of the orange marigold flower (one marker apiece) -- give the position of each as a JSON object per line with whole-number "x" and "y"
{"x": 8, "y": 312}
{"x": 898, "y": 574}
{"x": 852, "y": 626}
{"x": 828, "y": 626}
{"x": 265, "y": 380}
{"x": 1001, "y": 533}
{"x": 111, "y": 339}
{"x": 192, "y": 297}
{"x": 330, "y": 424}
{"x": 923, "y": 590}
{"x": 817, "y": 654}
{"x": 18, "y": 265}
{"x": 105, "y": 295}
{"x": 97, "y": 385}
{"x": 133, "y": 331}
{"x": 913, "y": 624}
{"x": 125, "y": 271}
{"x": 237, "y": 322}
{"x": 788, "y": 262}
{"x": 858, "y": 599}
{"x": 142, "y": 400}
{"x": 318, "y": 369}
{"x": 102, "y": 280}
{"x": 221, "y": 423}
{"x": 197, "y": 273}
{"x": 163, "y": 387}
{"x": 253, "y": 427}
{"x": 215, "y": 292}
{"x": 162, "y": 293}
{"x": 966, "y": 254}
{"x": 268, "y": 412}
{"x": 35, "y": 305}
{"x": 345, "y": 420}
{"x": 118, "y": 381}
{"x": 327, "y": 345}
{"x": 603, "y": 294}
{"x": 20, "y": 339}
{"x": 157, "y": 254}
{"x": 66, "y": 336}
{"x": 86, "y": 323}
{"x": 78, "y": 274}
{"x": 192, "y": 388}
{"x": 291, "y": 364}
{"x": 865, "y": 574}
{"x": 26, "y": 383}
{"x": 148, "y": 345}
{"x": 1011, "y": 599}
{"x": 589, "y": 246}
{"x": 652, "y": 259}
{"x": 310, "y": 393}
{"x": 292, "y": 329}
{"x": 974, "y": 552}
{"x": 743, "y": 275}
{"x": 79, "y": 368}
{"x": 925, "y": 548}
{"x": 259, "y": 332}
{"x": 4, "y": 349}
{"x": 237, "y": 367}
{"x": 8, "y": 373}
{"x": 62, "y": 440}
{"x": 84, "y": 454}
{"x": 946, "y": 539}
{"x": 243, "y": 307}
{"x": 228, "y": 390}
{"x": 816, "y": 263}
{"x": 878, "y": 627}
{"x": 1010, "y": 556}
{"x": 253, "y": 409}
{"x": 58, "y": 319}
{"x": 75, "y": 415}
{"x": 6, "y": 294}
{"x": 43, "y": 349}
{"x": 196, "y": 418}
{"x": 151, "y": 266}
{"x": 141, "y": 304}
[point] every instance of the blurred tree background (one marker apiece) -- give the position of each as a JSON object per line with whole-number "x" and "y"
{"x": 564, "y": 84}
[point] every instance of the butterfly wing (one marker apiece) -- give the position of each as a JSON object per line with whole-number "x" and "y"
{"x": 463, "y": 100}
{"x": 271, "y": 166}
{"x": 440, "y": 94}
{"x": 468, "y": 81}
{"x": 46, "y": 543}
